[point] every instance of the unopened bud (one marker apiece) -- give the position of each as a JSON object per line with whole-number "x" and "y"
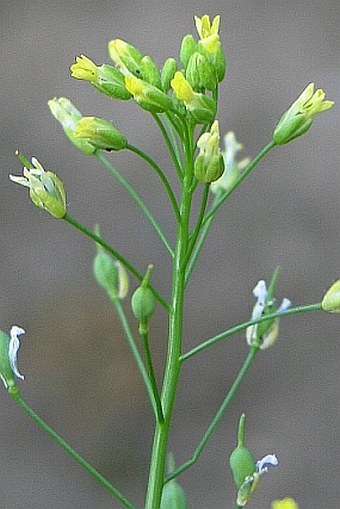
{"x": 100, "y": 133}
{"x": 188, "y": 47}
{"x": 126, "y": 57}
{"x": 200, "y": 73}
{"x": 168, "y": 71}
{"x": 150, "y": 72}
{"x": 147, "y": 96}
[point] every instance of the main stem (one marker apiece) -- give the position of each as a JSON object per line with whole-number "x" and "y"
{"x": 172, "y": 368}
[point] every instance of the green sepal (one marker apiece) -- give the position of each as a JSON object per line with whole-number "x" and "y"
{"x": 150, "y": 72}
{"x": 111, "y": 83}
{"x": 168, "y": 71}
{"x": 188, "y": 47}
{"x": 6, "y": 372}
{"x": 200, "y": 73}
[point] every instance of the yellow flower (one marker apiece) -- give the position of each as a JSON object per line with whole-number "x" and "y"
{"x": 285, "y": 503}
{"x": 182, "y": 88}
{"x": 298, "y": 119}
{"x": 208, "y": 32}
{"x": 84, "y": 69}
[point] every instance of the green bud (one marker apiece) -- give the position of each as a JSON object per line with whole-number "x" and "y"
{"x": 46, "y": 190}
{"x": 299, "y": 117}
{"x": 200, "y": 73}
{"x": 173, "y": 496}
{"x": 242, "y": 462}
{"x": 188, "y": 47}
{"x": 104, "y": 78}
{"x": 109, "y": 273}
{"x": 209, "y": 164}
{"x": 147, "y": 96}
{"x": 100, "y": 133}
{"x": 167, "y": 74}
{"x": 143, "y": 302}
{"x": 126, "y": 57}
{"x": 331, "y": 299}
{"x": 201, "y": 109}
{"x": 67, "y": 114}
{"x": 150, "y": 72}
{"x": 216, "y": 59}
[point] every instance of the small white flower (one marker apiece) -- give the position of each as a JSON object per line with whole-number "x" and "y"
{"x": 270, "y": 460}
{"x": 268, "y": 338}
{"x": 14, "y": 345}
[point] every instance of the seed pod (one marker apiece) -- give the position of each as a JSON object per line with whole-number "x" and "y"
{"x": 242, "y": 462}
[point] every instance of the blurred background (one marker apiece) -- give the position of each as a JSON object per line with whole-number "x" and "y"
{"x": 80, "y": 375}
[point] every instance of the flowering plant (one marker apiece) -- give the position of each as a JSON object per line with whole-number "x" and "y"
{"x": 182, "y": 98}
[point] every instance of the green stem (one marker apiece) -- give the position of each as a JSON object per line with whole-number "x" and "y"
{"x": 238, "y": 328}
{"x": 69, "y": 219}
{"x": 145, "y": 340}
{"x": 79, "y": 459}
{"x": 197, "y": 228}
{"x": 228, "y": 399}
{"x": 125, "y": 324}
{"x": 241, "y": 178}
{"x": 161, "y": 175}
{"x": 172, "y": 367}
{"x": 137, "y": 199}
{"x": 197, "y": 249}
{"x": 174, "y": 155}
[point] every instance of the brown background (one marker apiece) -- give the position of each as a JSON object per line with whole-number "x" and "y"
{"x": 79, "y": 373}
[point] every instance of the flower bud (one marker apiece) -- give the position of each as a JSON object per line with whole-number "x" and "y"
{"x": 46, "y": 190}
{"x": 209, "y": 164}
{"x": 202, "y": 109}
{"x": 168, "y": 71}
{"x": 104, "y": 78}
{"x": 188, "y": 47}
{"x": 242, "y": 462}
{"x": 331, "y": 299}
{"x": 173, "y": 496}
{"x": 109, "y": 273}
{"x": 299, "y": 118}
{"x": 147, "y": 96}
{"x": 67, "y": 114}
{"x": 200, "y": 73}
{"x": 126, "y": 57}
{"x": 143, "y": 302}
{"x": 100, "y": 133}
{"x": 209, "y": 44}
{"x": 150, "y": 72}
{"x": 8, "y": 357}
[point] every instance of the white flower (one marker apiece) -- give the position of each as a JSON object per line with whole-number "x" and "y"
{"x": 14, "y": 345}
{"x": 270, "y": 329}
